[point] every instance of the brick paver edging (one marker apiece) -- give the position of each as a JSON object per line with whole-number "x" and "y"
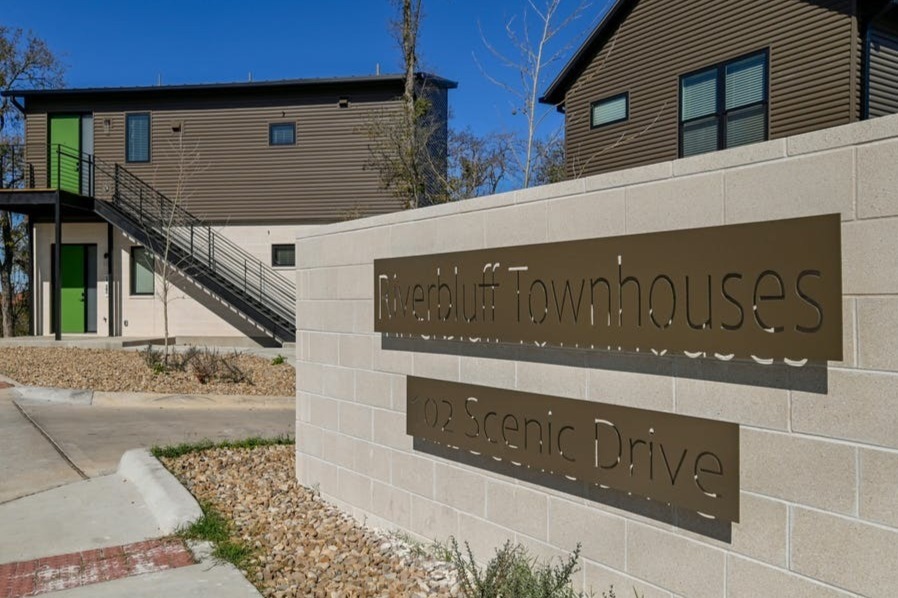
{"x": 62, "y": 572}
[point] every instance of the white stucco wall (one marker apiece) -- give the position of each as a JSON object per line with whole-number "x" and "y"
{"x": 819, "y": 468}
{"x": 193, "y": 312}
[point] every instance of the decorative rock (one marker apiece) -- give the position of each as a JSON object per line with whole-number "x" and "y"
{"x": 304, "y": 546}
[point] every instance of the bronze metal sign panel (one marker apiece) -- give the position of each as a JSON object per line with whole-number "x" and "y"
{"x": 685, "y": 461}
{"x": 767, "y": 289}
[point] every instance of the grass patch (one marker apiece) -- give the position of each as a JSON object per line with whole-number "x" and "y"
{"x": 236, "y": 553}
{"x": 214, "y": 527}
{"x": 185, "y": 448}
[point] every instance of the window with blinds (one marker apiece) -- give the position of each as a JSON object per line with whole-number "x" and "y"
{"x": 137, "y": 138}
{"x": 610, "y": 110}
{"x": 724, "y": 106}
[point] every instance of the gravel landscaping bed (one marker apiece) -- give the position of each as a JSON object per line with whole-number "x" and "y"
{"x": 301, "y": 545}
{"x": 125, "y": 371}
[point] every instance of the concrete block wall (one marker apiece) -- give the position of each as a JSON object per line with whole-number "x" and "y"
{"x": 819, "y": 445}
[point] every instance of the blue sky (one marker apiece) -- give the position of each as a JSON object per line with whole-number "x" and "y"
{"x": 123, "y": 42}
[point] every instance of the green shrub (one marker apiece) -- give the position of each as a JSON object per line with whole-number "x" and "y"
{"x": 279, "y": 360}
{"x": 514, "y": 573}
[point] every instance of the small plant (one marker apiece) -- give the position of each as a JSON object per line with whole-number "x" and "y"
{"x": 209, "y": 365}
{"x": 182, "y": 361}
{"x": 153, "y": 358}
{"x": 214, "y": 527}
{"x": 231, "y": 372}
{"x": 205, "y": 366}
{"x": 513, "y": 572}
{"x": 279, "y": 360}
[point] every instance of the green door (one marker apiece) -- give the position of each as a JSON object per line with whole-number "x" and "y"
{"x": 65, "y": 147}
{"x": 74, "y": 290}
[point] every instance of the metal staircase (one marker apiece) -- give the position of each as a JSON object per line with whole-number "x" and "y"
{"x": 173, "y": 234}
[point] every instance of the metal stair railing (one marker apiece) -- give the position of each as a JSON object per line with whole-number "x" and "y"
{"x": 179, "y": 236}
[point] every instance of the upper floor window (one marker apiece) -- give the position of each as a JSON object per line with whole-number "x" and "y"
{"x": 610, "y": 110}
{"x": 282, "y": 134}
{"x": 724, "y": 105}
{"x": 137, "y": 138}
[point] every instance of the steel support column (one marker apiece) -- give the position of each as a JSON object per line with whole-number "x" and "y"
{"x": 57, "y": 278}
{"x": 110, "y": 278}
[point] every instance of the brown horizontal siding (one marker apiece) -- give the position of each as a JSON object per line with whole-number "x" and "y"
{"x": 36, "y": 148}
{"x": 883, "y": 74}
{"x": 810, "y": 72}
{"x": 235, "y": 176}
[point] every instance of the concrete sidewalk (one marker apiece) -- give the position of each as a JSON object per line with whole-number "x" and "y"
{"x": 107, "y": 511}
{"x": 57, "y": 529}
{"x": 53, "y": 541}
{"x": 28, "y": 461}
{"x": 206, "y": 580}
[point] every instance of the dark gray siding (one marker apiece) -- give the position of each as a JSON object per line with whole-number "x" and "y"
{"x": 883, "y": 75}
{"x": 811, "y": 70}
{"x": 235, "y": 176}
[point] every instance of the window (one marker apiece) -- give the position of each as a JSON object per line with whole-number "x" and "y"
{"x": 610, "y": 111}
{"x": 137, "y": 138}
{"x": 724, "y": 106}
{"x": 282, "y": 134}
{"x": 283, "y": 256}
{"x": 142, "y": 271}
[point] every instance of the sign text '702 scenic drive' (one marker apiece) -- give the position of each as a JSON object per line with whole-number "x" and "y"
{"x": 685, "y": 461}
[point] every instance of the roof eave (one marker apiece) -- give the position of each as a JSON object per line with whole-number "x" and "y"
{"x": 255, "y": 86}
{"x": 558, "y": 88}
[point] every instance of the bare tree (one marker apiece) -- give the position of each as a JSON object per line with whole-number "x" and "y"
{"x": 407, "y": 148}
{"x": 550, "y": 167}
{"x": 14, "y": 263}
{"x": 25, "y": 61}
{"x": 171, "y": 266}
{"x": 530, "y": 58}
{"x": 477, "y": 165}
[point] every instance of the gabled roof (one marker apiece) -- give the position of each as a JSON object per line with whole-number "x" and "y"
{"x": 599, "y": 36}
{"x": 245, "y": 86}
